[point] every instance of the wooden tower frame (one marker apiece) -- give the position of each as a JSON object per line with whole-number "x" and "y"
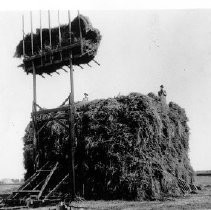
{"x": 33, "y": 64}
{"x": 36, "y": 188}
{"x": 41, "y": 58}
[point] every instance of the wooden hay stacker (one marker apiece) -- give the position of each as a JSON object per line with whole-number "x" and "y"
{"x": 46, "y": 186}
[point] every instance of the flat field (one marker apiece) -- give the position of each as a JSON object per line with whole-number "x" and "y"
{"x": 8, "y": 188}
{"x": 199, "y": 201}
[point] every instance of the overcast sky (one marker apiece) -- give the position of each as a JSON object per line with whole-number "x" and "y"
{"x": 140, "y": 50}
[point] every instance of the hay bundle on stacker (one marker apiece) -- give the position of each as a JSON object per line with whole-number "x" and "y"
{"x": 129, "y": 147}
{"x": 84, "y": 37}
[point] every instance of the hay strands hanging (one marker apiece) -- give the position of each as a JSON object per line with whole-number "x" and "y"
{"x": 49, "y": 48}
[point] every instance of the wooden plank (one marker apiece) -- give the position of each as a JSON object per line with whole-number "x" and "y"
{"x": 56, "y": 187}
{"x": 30, "y": 179}
{"x": 42, "y": 128}
{"x": 47, "y": 180}
{"x": 23, "y": 36}
{"x": 61, "y": 123}
{"x": 41, "y": 182}
{"x": 65, "y": 101}
{"x": 46, "y": 111}
{"x": 34, "y": 88}
{"x": 60, "y": 37}
{"x": 72, "y": 129}
{"x": 80, "y": 33}
{"x": 14, "y": 207}
{"x": 44, "y": 54}
{"x": 32, "y": 44}
{"x": 53, "y": 118}
{"x": 69, "y": 23}
{"x": 49, "y": 24}
{"x": 27, "y": 191}
{"x": 44, "y": 170}
{"x": 41, "y": 31}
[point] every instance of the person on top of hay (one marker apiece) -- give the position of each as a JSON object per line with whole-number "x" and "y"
{"x": 85, "y": 97}
{"x": 162, "y": 94}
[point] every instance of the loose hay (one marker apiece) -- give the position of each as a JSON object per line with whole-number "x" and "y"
{"x": 129, "y": 147}
{"x": 82, "y": 54}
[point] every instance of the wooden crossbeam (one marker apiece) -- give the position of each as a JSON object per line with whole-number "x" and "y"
{"x": 42, "y": 127}
{"x": 27, "y": 182}
{"x": 14, "y": 207}
{"x": 56, "y": 187}
{"x": 53, "y": 118}
{"x": 27, "y": 191}
{"x": 47, "y": 180}
{"x": 41, "y": 182}
{"x": 44, "y": 54}
{"x": 61, "y": 123}
{"x": 65, "y": 101}
{"x": 46, "y": 111}
{"x": 39, "y": 106}
{"x": 23, "y": 36}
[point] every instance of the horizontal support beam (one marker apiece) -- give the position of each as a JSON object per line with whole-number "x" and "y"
{"x": 52, "y": 118}
{"x": 27, "y": 191}
{"x": 44, "y": 54}
{"x": 47, "y": 111}
{"x": 14, "y": 207}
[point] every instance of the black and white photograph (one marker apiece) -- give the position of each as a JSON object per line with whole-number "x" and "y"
{"x": 105, "y": 106}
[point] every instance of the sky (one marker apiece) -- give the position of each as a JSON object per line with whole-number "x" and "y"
{"x": 139, "y": 51}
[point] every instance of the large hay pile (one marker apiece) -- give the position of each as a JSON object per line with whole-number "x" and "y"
{"x": 129, "y": 147}
{"x": 81, "y": 27}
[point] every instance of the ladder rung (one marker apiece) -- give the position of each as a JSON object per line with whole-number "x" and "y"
{"x": 27, "y": 191}
{"x": 43, "y": 170}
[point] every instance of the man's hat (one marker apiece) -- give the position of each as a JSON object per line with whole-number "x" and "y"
{"x": 162, "y": 86}
{"x": 85, "y": 94}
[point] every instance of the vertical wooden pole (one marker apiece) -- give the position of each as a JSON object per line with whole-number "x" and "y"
{"x": 41, "y": 48}
{"x": 34, "y": 88}
{"x": 69, "y": 21}
{"x": 32, "y": 44}
{"x": 49, "y": 24}
{"x": 23, "y": 36}
{"x": 41, "y": 31}
{"x": 71, "y": 119}
{"x": 34, "y": 92}
{"x": 80, "y": 33}
{"x": 34, "y": 109}
{"x": 60, "y": 37}
{"x": 34, "y": 73}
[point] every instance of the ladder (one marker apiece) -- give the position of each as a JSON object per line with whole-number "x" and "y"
{"x": 37, "y": 187}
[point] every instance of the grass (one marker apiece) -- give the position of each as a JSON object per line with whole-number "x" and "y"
{"x": 198, "y": 201}
{"x": 7, "y": 188}
{"x": 203, "y": 180}
{"x": 201, "y": 200}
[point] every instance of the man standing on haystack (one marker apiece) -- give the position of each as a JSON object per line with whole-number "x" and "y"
{"x": 85, "y": 97}
{"x": 162, "y": 94}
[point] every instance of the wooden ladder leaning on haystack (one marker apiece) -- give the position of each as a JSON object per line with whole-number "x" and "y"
{"x": 37, "y": 188}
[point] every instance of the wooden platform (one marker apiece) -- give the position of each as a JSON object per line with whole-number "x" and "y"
{"x": 49, "y": 60}
{"x": 47, "y": 111}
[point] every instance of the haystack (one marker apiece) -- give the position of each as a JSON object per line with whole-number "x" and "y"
{"x": 81, "y": 29}
{"x": 131, "y": 147}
